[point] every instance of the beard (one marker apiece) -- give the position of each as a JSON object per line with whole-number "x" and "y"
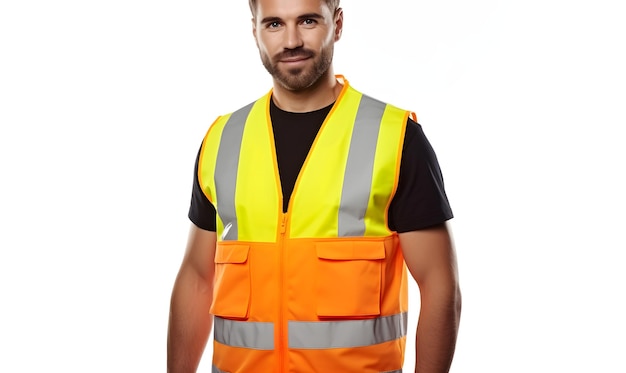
{"x": 296, "y": 79}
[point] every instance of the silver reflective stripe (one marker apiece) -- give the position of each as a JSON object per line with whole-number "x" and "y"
{"x": 393, "y": 371}
{"x": 359, "y": 167}
{"x": 226, "y": 166}
{"x": 247, "y": 334}
{"x": 346, "y": 333}
{"x": 214, "y": 369}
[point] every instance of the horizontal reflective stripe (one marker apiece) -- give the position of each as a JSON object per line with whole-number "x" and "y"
{"x": 215, "y": 369}
{"x": 393, "y": 371}
{"x": 247, "y": 334}
{"x": 346, "y": 333}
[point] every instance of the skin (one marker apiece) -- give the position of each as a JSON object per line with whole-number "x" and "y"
{"x": 189, "y": 321}
{"x": 430, "y": 258}
{"x": 296, "y": 42}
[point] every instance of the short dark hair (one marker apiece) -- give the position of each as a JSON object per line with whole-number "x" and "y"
{"x": 332, "y": 4}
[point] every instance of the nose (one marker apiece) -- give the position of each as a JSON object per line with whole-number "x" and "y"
{"x": 293, "y": 38}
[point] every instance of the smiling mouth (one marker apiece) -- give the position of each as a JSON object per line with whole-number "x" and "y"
{"x": 294, "y": 59}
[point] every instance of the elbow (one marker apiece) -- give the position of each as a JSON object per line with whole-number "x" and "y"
{"x": 443, "y": 296}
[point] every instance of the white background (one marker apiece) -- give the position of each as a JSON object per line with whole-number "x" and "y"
{"x": 103, "y": 105}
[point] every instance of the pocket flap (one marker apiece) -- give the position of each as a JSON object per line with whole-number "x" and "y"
{"x": 231, "y": 253}
{"x": 360, "y": 250}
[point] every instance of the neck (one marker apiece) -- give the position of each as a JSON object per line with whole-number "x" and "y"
{"x": 321, "y": 94}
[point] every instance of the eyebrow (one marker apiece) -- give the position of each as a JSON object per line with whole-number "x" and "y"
{"x": 310, "y": 15}
{"x": 300, "y": 18}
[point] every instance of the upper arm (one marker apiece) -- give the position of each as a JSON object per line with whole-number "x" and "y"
{"x": 200, "y": 252}
{"x": 420, "y": 200}
{"x": 431, "y": 259}
{"x": 201, "y": 211}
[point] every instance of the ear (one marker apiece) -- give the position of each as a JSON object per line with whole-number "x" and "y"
{"x": 254, "y": 30}
{"x": 338, "y": 23}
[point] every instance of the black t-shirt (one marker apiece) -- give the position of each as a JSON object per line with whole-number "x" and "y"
{"x": 420, "y": 200}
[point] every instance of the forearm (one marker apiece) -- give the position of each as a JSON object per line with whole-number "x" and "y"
{"x": 437, "y": 331}
{"x": 189, "y": 323}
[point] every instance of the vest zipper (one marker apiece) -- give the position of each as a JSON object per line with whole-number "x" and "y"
{"x": 282, "y": 346}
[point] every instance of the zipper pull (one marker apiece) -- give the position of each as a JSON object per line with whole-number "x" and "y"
{"x": 283, "y": 224}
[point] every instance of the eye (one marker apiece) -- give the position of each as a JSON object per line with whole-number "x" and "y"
{"x": 273, "y": 24}
{"x": 309, "y": 22}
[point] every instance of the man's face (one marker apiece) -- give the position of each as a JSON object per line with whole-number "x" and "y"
{"x": 296, "y": 39}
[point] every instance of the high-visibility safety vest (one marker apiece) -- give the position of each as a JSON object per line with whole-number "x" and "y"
{"x": 322, "y": 287}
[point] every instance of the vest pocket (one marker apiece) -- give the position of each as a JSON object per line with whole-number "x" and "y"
{"x": 231, "y": 292}
{"x": 349, "y": 276}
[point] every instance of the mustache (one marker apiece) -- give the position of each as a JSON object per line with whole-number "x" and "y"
{"x": 294, "y": 53}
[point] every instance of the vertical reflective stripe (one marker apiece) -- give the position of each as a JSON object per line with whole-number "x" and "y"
{"x": 247, "y": 334}
{"x": 226, "y": 167}
{"x": 346, "y": 333}
{"x": 215, "y": 369}
{"x": 359, "y": 167}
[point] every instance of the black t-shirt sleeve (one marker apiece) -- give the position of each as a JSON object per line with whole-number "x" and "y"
{"x": 420, "y": 200}
{"x": 201, "y": 211}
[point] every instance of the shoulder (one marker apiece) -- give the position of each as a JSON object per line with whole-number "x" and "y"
{"x": 414, "y": 131}
{"x": 263, "y": 101}
{"x": 415, "y": 139}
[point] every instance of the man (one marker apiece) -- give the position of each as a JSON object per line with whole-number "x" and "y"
{"x": 308, "y": 206}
